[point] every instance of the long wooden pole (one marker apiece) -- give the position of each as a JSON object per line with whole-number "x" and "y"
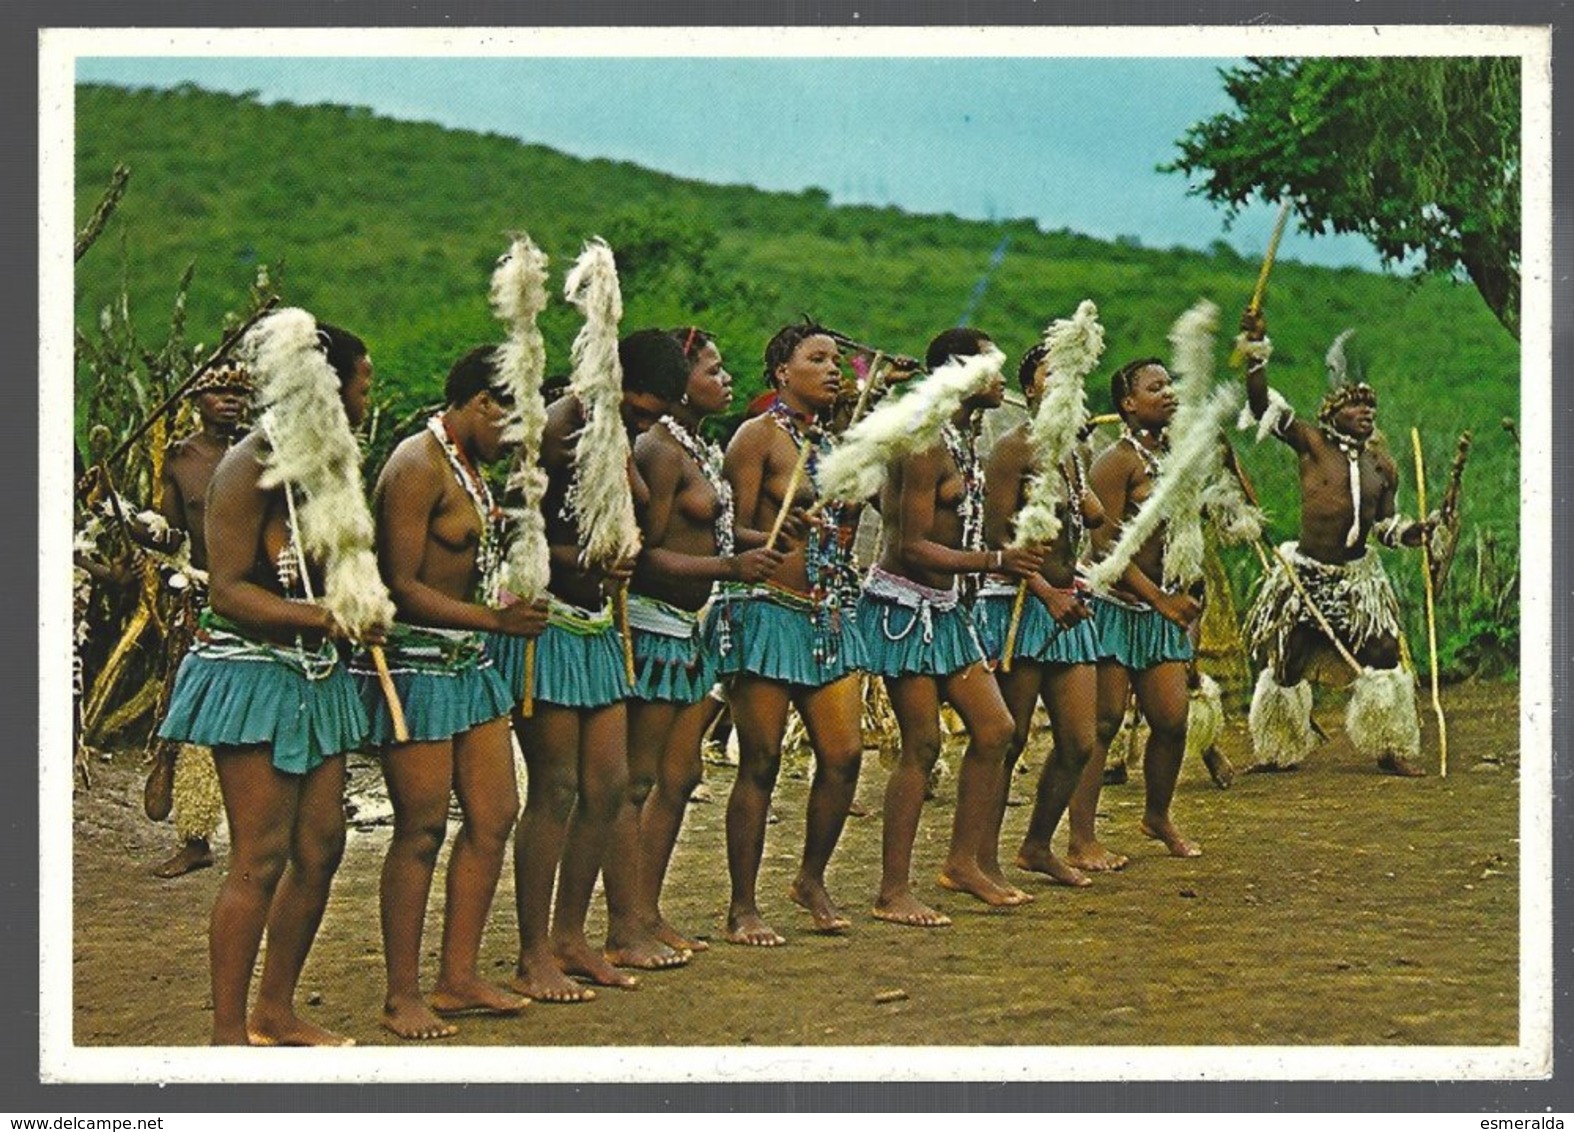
{"x": 792, "y": 489}
{"x": 1237, "y": 359}
{"x": 1431, "y": 615}
{"x": 527, "y": 700}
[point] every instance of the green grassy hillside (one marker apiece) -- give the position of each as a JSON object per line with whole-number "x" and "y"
{"x": 391, "y": 229}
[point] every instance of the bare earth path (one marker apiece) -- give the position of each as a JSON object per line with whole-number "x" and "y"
{"x": 1332, "y": 906}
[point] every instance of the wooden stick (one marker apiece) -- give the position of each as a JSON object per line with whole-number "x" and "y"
{"x": 864, "y": 393}
{"x": 380, "y": 661}
{"x": 621, "y": 602}
{"x": 527, "y": 700}
{"x": 1431, "y": 616}
{"x": 792, "y": 490}
{"x": 1237, "y": 359}
{"x": 1016, "y": 621}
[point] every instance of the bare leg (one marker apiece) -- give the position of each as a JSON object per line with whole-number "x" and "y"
{"x": 1161, "y": 692}
{"x": 316, "y": 845}
{"x": 550, "y": 740}
{"x": 260, "y": 804}
{"x": 1019, "y": 691}
{"x": 631, "y": 935}
{"x": 420, "y": 778}
{"x": 915, "y": 700}
{"x": 759, "y": 713}
{"x": 603, "y": 792}
{"x": 1070, "y": 696}
{"x": 973, "y": 864}
{"x": 832, "y": 715}
{"x": 661, "y": 816}
{"x": 483, "y": 771}
{"x": 1083, "y": 850}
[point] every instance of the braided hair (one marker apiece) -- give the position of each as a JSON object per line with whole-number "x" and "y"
{"x": 1123, "y": 379}
{"x": 779, "y": 350}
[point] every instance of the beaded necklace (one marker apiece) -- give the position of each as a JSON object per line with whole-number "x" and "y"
{"x": 1150, "y": 459}
{"x": 828, "y": 553}
{"x": 709, "y": 458}
{"x": 970, "y": 510}
{"x": 489, "y": 551}
{"x": 1074, "y": 490}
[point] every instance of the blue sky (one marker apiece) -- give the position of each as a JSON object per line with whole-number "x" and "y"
{"x": 1070, "y": 142}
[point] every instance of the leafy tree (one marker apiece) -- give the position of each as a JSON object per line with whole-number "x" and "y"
{"x": 1420, "y": 156}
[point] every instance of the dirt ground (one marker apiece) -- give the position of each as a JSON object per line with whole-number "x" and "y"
{"x": 1333, "y": 906}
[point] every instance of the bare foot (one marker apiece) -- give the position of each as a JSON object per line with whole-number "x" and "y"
{"x": 1399, "y": 765}
{"x": 646, "y": 953}
{"x": 190, "y": 857}
{"x": 1220, "y": 769}
{"x": 576, "y": 957}
{"x": 1164, "y": 830}
{"x": 905, "y": 908}
{"x": 971, "y": 880}
{"x": 1038, "y": 859}
{"x": 266, "y": 1028}
{"x": 811, "y": 896}
{"x": 1115, "y": 774}
{"x": 538, "y": 977}
{"x": 749, "y": 928}
{"x": 472, "y": 998}
{"x": 997, "y": 875}
{"x": 676, "y": 940}
{"x": 413, "y": 1020}
{"x": 1094, "y": 858}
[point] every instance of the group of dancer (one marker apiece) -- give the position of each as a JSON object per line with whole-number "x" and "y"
{"x": 328, "y": 624}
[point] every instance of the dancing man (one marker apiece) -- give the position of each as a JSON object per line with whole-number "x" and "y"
{"x": 1348, "y": 483}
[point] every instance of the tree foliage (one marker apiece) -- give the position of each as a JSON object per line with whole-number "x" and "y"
{"x": 1420, "y": 156}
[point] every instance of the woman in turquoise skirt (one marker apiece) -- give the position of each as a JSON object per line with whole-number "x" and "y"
{"x": 264, "y": 686}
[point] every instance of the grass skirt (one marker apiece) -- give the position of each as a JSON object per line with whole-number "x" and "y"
{"x": 1137, "y": 638}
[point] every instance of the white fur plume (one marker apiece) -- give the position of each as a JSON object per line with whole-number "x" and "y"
{"x": 1229, "y": 511}
{"x": 1279, "y": 415}
{"x": 1337, "y": 364}
{"x": 1191, "y": 360}
{"x": 313, "y": 449}
{"x": 898, "y": 427}
{"x": 1182, "y": 477}
{"x": 1072, "y": 348}
{"x": 1381, "y": 716}
{"x": 1204, "y": 716}
{"x": 599, "y": 495}
{"x": 519, "y": 295}
{"x": 1280, "y": 721}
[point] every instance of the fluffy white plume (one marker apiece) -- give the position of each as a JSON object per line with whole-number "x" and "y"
{"x": 1230, "y": 512}
{"x": 1191, "y": 366}
{"x": 1182, "y": 478}
{"x": 898, "y": 427}
{"x": 1279, "y": 412}
{"x": 1338, "y": 365}
{"x": 1072, "y": 347}
{"x": 599, "y": 495}
{"x": 1381, "y": 718}
{"x": 314, "y": 449}
{"x": 519, "y": 295}
{"x": 1191, "y": 359}
{"x": 1204, "y": 716}
{"x": 1280, "y": 721}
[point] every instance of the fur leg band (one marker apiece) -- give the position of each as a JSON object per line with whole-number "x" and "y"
{"x": 1381, "y": 719}
{"x": 1280, "y": 721}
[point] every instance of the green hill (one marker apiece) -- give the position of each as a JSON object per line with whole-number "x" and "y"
{"x": 391, "y": 229}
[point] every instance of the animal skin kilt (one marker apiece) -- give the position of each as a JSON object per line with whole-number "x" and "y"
{"x": 445, "y": 681}
{"x": 579, "y": 659}
{"x": 673, "y": 660}
{"x": 913, "y": 630}
{"x": 778, "y": 634}
{"x": 1136, "y": 635}
{"x": 234, "y": 691}
{"x": 1040, "y": 639}
{"x": 1355, "y": 597}
{"x": 197, "y": 804}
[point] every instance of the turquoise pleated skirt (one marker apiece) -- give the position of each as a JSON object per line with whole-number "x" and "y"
{"x": 579, "y": 663}
{"x": 903, "y": 641}
{"x": 677, "y": 670}
{"x": 1039, "y": 638}
{"x": 441, "y": 696}
{"x": 507, "y": 653}
{"x": 785, "y": 638}
{"x": 260, "y": 698}
{"x": 1138, "y": 638}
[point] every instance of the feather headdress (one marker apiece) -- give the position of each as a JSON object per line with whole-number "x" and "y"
{"x": 313, "y": 449}
{"x": 519, "y": 295}
{"x": 599, "y": 496}
{"x": 1184, "y": 474}
{"x": 1072, "y": 347}
{"x": 857, "y": 468}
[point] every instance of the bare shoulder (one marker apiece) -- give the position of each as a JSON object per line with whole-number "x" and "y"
{"x": 412, "y": 459}
{"x": 1012, "y": 448}
{"x": 240, "y": 469}
{"x": 756, "y": 438}
{"x": 1114, "y": 459}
